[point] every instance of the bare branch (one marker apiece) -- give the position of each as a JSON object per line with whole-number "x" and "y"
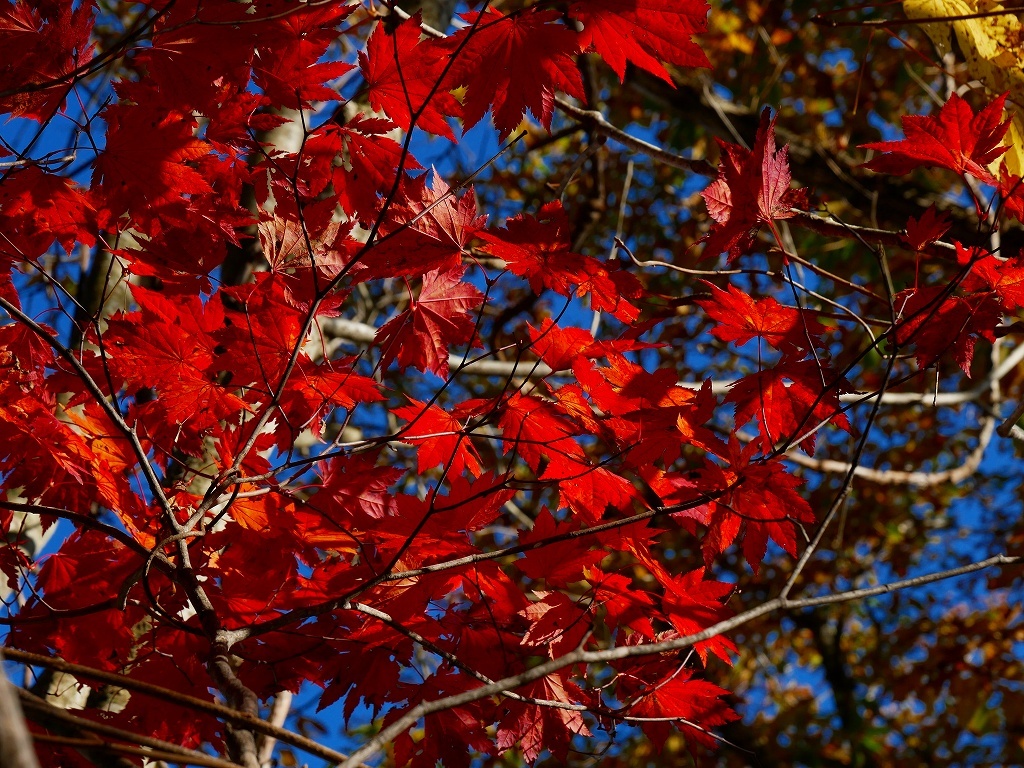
{"x": 44, "y": 713}
{"x": 15, "y": 741}
{"x": 410, "y": 718}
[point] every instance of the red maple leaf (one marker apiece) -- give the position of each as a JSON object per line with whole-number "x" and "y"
{"x": 645, "y": 32}
{"x": 43, "y": 45}
{"x": 371, "y": 160}
{"x": 1004, "y": 276}
{"x": 469, "y": 506}
{"x": 693, "y": 603}
{"x": 1011, "y": 188}
{"x": 784, "y": 411}
{"x": 37, "y": 208}
{"x": 538, "y": 248}
{"x": 439, "y": 438}
{"x": 402, "y": 72}
{"x": 741, "y": 319}
{"x": 752, "y": 189}
{"x": 761, "y": 503}
{"x": 515, "y": 63}
{"x": 537, "y": 728}
{"x": 693, "y": 705}
{"x": 560, "y": 347}
{"x": 955, "y": 138}
{"x": 535, "y": 429}
{"x": 289, "y": 69}
{"x": 168, "y": 346}
{"x": 356, "y": 488}
{"x": 438, "y": 318}
{"x": 588, "y": 490}
{"x": 314, "y": 389}
{"x": 932, "y": 225}
{"x": 132, "y": 174}
{"x": 622, "y": 605}
{"x": 448, "y": 735}
{"x": 559, "y": 563}
{"x": 557, "y": 623}
{"x": 938, "y": 324}
{"x": 427, "y": 228}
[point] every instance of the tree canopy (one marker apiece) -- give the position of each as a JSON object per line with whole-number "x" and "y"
{"x": 551, "y": 382}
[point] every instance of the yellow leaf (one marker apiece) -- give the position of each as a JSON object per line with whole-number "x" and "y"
{"x": 940, "y": 33}
{"x": 993, "y": 47}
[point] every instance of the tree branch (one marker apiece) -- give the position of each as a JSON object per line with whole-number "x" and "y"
{"x": 410, "y": 718}
{"x": 227, "y": 714}
{"x": 16, "y": 749}
{"x": 44, "y": 713}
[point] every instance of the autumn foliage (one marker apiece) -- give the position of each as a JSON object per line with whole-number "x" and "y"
{"x": 312, "y": 411}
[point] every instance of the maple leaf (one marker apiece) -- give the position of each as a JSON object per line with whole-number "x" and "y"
{"x": 369, "y": 160}
{"x": 622, "y": 605}
{"x": 314, "y": 390}
{"x": 752, "y": 188}
{"x": 178, "y": 68}
{"x": 1011, "y": 189}
{"x": 291, "y": 74}
{"x": 448, "y": 736}
{"x": 402, "y": 72}
{"x": 535, "y": 429}
{"x": 112, "y": 462}
{"x": 37, "y": 208}
{"x": 760, "y": 502}
{"x": 1005, "y": 277}
{"x": 557, "y": 623}
{"x": 131, "y": 174}
{"x": 559, "y": 563}
{"x": 588, "y": 490}
{"x": 515, "y": 63}
{"x": 926, "y": 230}
{"x": 169, "y": 347}
{"x": 741, "y": 319}
{"x": 380, "y": 665}
{"x": 289, "y": 245}
{"x": 357, "y": 485}
{"x": 561, "y": 347}
{"x": 694, "y": 705}
{"x": 644, "y": 32}
{"x": 439, "y": 317}
{"x": 439, "y": 437}
{"x": 693, "y": 603}
{"x": 539, "y": 250}
{"x": 43, "y": 453}
{"x": 469, "y": 506}
{"x": 43, "y": 44}
{"x": 428, "y": 228}
{"x": 956, "y": 138}
{"x": 537, "y": 728}
{"x": 787, "y": 411}
{"x": 649, "y": 414}
{"x": 256, "y": 346}
{"x": 938, "y": 324}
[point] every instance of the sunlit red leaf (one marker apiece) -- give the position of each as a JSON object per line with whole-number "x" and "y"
{"x": 956, "y": 138}
{"x": 644, "y": 32}
{"x": 538, "y": 248}
{"x": 441, "y": 316}
{"x": 513, "y": 64}
{"x": 788, "y": 410}
{"x": 439, "y": 438}
{"x": 402, "y": 74}
{"x": 752, "y": 188}
{"x": 741, "y": 319}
